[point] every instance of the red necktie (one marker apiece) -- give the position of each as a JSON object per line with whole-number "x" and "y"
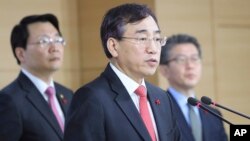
{"x": 144, "y": 111}
{"x": 50, "y": 91}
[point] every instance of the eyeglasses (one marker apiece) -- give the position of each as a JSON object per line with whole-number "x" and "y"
{"x": 46, "y": 41}
{"x": 159, "y": 41}
{"x": 182, "y": 60}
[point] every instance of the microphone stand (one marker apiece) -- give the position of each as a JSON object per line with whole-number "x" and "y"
{"x": 195, "y": 102}
{"x": 243, "y": 115}
{"x": 213, "y": 113}
{"x": 208, "y": 101}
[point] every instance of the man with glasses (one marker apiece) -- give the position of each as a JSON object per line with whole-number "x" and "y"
{"x": 120, "y": 105}
{"x": 33, "y": 106}
{"x": 181, "y": 65}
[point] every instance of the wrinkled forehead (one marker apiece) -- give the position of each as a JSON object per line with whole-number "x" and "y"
{"x": 146, "y": 26}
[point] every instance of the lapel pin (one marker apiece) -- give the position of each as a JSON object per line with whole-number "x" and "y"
{"x": 157, "y": 102}
{"x": 63, "y": 99}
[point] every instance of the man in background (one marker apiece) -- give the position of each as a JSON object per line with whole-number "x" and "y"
{"x": 181, "y": 65}
{"x": 33, "y": 106}
{"x": 119, "y": 105}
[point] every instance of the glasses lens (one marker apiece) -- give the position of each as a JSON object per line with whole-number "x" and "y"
{"x": 59, "y": 40}
{"x": 44, "y": 41}
{"x": 163, "y": 41}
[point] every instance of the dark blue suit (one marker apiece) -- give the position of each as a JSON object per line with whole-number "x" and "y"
{"x": 212, "y": 127}
{"x": 26, "y": 116}
{"x": 103, "y": 111}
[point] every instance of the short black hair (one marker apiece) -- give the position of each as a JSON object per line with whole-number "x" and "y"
{"x": 174, "y": 40}
{"x": 116, "y": 18}
{"x": 20, "y": 34}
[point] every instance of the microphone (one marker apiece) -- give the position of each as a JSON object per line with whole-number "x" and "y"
{"x": 208, "y": 101}
{"x": 194, "y": 102}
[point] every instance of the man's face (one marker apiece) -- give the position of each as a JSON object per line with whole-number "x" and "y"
{"x": 40, "y": 58}
{"x": 184, "y": 68}
{"x": 139, "y": 59}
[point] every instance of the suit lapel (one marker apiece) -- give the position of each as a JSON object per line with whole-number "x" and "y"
{"x": 126, "y": 104}
{"x": 152, "y": 97}
{"x": 36, "y": 99}
{"x": 62, "y": 99}
{"x": 205, "y": 123}
{"x": 183, "y": 125}
{"x": 162, "y": 124}
{"x": 132, "y": 114}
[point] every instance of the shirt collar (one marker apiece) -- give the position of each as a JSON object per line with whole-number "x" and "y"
{"x": 179, "y": 97}
{"x": 40, "y": 84}
{"x": 128, "y": 83}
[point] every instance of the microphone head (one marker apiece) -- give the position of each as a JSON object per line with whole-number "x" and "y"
{"x": 206, "y": 100}
{"x": 192, "y": 101}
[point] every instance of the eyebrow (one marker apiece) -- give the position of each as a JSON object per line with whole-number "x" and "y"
{"x": 183, "y": 55}
{"x": 48, "y": 35}
{"x": 145, "y": 31}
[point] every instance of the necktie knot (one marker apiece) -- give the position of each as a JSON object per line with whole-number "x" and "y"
{"x": 50, "y": 91}
{"x": 141, "y": 91}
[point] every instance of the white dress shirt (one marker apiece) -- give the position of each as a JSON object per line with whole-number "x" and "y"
{"x": 42, "y": 86}
{"x": 131, "y": 86}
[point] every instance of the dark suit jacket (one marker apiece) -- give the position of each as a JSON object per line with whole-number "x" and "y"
{"x": 212, "y": 127}
{"x": 103, "y": 111}
{"x": 26, "y": 116}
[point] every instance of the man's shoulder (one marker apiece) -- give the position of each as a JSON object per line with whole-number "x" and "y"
{"x": 160, "y": 93}
{"x": 64, "y": 90}
{"x": 13, "y": 93}
{"x": 12, "y": 88}
{"x": 60, "y": 86}
{"x": 154, "y": 87}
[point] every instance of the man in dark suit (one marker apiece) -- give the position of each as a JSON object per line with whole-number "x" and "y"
{"x": 180, "y": 64}
{"x": 110, "y": 108}
{"x": 28, "y": 110}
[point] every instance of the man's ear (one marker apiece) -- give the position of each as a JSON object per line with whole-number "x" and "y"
{"x": 112, "y": 45}
{"x": 19, "y": 54}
